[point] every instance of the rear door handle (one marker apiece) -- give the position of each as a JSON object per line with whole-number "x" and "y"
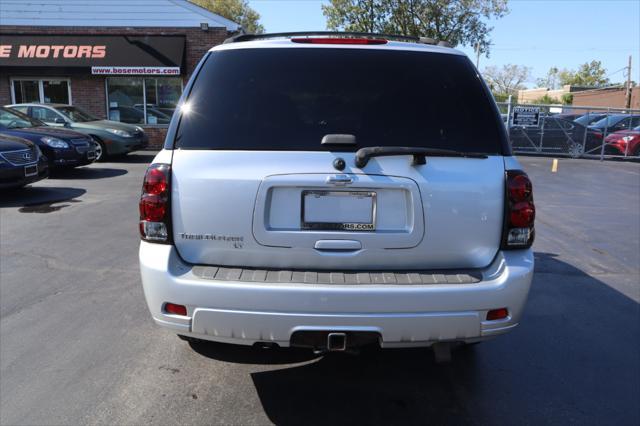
{"x": 339, "y": 180}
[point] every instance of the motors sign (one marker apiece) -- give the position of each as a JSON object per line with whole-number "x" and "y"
{"x": 160, "y": 54}
{"x": 526, "y": 116}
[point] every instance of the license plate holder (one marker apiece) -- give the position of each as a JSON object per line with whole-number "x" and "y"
{"x": 31, "y": 170}
{"x": 338, "y": 210}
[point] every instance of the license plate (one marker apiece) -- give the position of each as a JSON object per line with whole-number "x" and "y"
{"x": 31, "y": 170}
{"x": 339, "y": 210}
{"x": 91, "y": 155}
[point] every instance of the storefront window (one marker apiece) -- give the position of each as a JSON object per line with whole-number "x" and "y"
{"x": 127, "y": 96}
{"x": 55, "y": 91}
{"x": 50, "y": 91}
{"x": 26, "y": 91}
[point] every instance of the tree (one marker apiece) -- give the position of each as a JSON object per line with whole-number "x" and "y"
{"x": 236, "y": 10}
{"x": 456, "y": 21}
{"x": 507, "y": 80}
{"x": 590, "y": 74}
{"x": 550, "y": 81}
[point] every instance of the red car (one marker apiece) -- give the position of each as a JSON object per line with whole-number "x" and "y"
{"x": 624, "y": 142}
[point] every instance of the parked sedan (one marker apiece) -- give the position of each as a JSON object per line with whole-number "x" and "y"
{"x": 131, "y": 115}
{"x": 555, "y": 135}
{"x": 62, "y": 147}
{"x": 616, "y": 122}
{"x": 624, "y": 142}
{"x": 21, "y": 162}
{"x": 112, "y": 137}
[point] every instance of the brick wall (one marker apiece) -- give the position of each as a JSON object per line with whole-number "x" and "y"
{"x": 612, "y": 98}
{"x": 88, "y": 91}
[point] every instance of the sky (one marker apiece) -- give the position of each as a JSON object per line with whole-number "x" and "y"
{"x": 538, "y": 34}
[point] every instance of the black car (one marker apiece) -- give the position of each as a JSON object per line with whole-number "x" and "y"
{"x": 616, "y": 123}
{"x": 21, "y": 162}
{"x": 555, "y": 134}
{"x": 62, "y": 147}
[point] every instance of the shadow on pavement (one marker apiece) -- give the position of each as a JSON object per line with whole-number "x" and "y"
{"x": 574, "y": 359}
{"x": 137, "y": 157}
{"x": 87, "y": 173}
{"x": 250, "y": 355}
{"x": 37, "y": 198}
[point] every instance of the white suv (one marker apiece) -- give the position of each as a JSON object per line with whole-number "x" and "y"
{"x": 333, "y": 191}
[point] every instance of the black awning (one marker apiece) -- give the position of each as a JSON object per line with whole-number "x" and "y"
{"x": 71, "y": 51}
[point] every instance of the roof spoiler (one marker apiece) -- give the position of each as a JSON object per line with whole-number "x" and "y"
{"x": 395, "y": 37}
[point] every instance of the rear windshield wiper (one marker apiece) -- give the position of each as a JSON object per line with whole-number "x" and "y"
{"x": 364, "y": 154}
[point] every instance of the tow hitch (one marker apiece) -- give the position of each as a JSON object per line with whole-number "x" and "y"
{"x": 336, "y": 341}
{"x": 322, "y": 341}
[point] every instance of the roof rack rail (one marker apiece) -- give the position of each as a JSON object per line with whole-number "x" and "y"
{"x": 250, "y": 37}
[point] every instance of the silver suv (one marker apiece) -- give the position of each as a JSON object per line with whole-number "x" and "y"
{"x": 334, "y": 191}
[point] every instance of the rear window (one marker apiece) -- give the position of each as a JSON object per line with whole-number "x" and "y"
{"x": 288, "y": 99}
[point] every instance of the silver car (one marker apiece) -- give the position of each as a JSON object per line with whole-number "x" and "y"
{"x": 320, "y": 191}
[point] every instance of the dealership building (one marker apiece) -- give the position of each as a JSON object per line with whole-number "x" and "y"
{"x": 123, "y": 60}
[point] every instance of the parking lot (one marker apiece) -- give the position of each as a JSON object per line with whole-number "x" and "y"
{"x": 77, "y": 343}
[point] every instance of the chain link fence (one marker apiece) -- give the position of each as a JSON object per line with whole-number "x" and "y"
{"x": 571, "y": 131}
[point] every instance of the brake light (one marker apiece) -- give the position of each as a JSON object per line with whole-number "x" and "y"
{"x": 336, "y": 40}
{"x": 497, "y": 314}
{"x": 520, "y": 211}
{"x": 172, "y": 308}
{"x": 154, "y": 204}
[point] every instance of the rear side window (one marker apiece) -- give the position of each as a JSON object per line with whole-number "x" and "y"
{"x": 289, "y": 98}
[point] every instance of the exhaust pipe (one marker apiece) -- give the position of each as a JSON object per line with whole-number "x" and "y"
{"x": 336, "y": 342}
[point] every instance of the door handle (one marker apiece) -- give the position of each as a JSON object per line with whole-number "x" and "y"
{"x": 339, "y": 180}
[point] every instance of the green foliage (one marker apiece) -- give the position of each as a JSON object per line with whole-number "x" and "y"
{"x": 456, "y": 21}
{"x": 236, "y": 10}
{"x": 500, "y": 97}
{"x": 567, "y": 99}
{"x": 590, "y": 74}
{"x": 546, "y": 99}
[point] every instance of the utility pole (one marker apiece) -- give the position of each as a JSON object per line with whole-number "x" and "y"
{"x": 627, "y": 101}
{"x": 478, "y": 54}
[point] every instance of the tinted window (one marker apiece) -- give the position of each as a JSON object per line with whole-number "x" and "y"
{"x": 589, "y": 119}
{"x": 288, "y": 99}
{"x": 44, "y": 114}
{"x": 10, "y": 119}
{"x": 76, "y": 114}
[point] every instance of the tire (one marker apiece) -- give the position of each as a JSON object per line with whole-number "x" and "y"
{"x": 576, "y": 150}
{"x": 101, "y": 150}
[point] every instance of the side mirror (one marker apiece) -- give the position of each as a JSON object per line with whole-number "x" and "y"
{"x": 60, "y": 120}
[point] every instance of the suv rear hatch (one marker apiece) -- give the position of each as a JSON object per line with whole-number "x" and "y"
{"x": 254, "y": 186}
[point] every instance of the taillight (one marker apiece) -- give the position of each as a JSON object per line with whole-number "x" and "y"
{"x": 172, "y": 308}
{"x": 520, "y": 211}
{"x": 336, "y": 40}
{"x": 154, "y": 204}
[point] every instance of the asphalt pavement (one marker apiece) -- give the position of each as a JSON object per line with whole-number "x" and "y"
{"x": 77, "y": 344}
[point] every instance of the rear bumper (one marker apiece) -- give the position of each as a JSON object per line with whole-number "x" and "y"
{"x": 404, "y": 315}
